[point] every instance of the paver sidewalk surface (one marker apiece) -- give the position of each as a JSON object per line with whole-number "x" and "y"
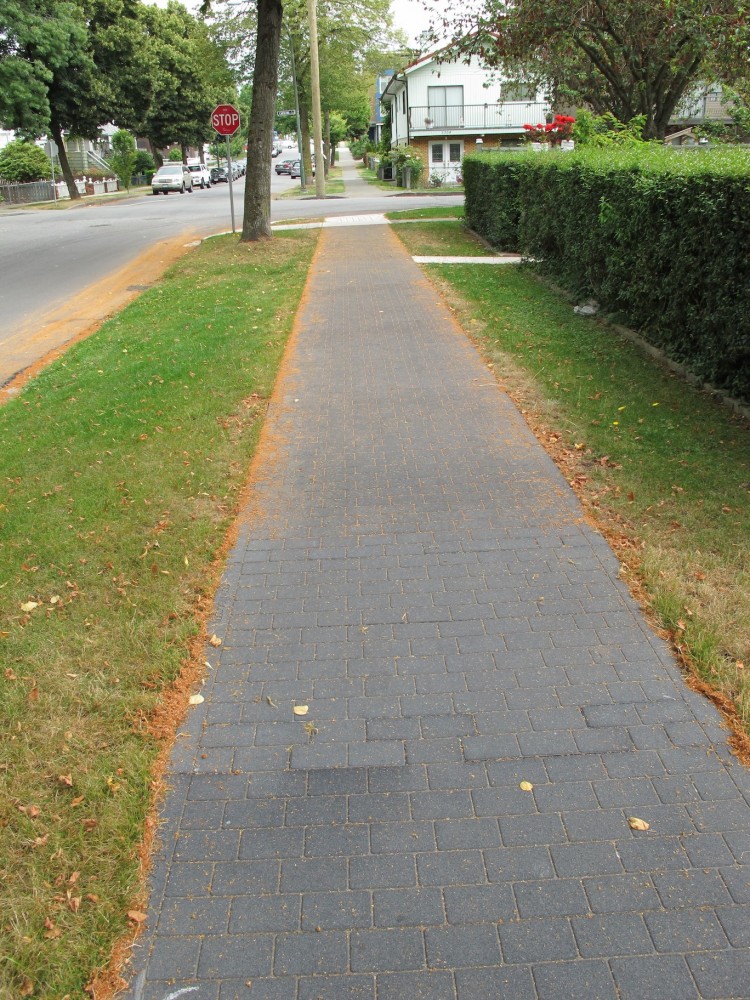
{"x": 414, "y": 568}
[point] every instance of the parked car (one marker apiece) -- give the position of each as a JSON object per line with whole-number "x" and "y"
{"x": 219, "y": 174}
{"x": 295, "y": 170}
{"x": 172, "y": 177}
{"x": 284, "y": 166}
{"x": 201, "y": 176}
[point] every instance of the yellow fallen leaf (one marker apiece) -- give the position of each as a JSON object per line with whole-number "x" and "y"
{"x": 196, "y": 699}
{"x": 214, "y": 641}
{"x": 300, "y": 709}
{"x": 526, "y": 786}
{"x": 56, "y": 599}
{"x": 29, "y": 606}
{"x": 66, "y": 779}
{"x": 136, "y": 916}
{"x": 637, "y": 824}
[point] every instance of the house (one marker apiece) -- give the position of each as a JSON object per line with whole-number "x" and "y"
{"x": 376, "y": 106}
{"x": 445, "y": 109}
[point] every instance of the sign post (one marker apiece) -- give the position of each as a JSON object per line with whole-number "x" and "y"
{"x": 225, "y": 119}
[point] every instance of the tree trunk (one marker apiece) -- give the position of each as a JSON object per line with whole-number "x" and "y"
{"x": 158, "y": 158}
{"x": 62, "y": 154}
{"x": 256, "y": 222}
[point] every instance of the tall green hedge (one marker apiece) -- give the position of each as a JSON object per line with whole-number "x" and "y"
{"x": 659, "y": 237}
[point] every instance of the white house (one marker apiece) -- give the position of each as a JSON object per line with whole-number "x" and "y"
{"x": 445, "y": 109}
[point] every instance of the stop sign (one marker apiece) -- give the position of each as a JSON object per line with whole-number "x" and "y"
{"x": 225, "y": 119}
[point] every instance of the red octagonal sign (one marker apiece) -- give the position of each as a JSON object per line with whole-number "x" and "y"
{"x": 225, "y": 119}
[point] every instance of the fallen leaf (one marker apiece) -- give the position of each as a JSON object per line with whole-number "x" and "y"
{"x": 65, "y": 779}
{"x": 300, "y": 710}
{"x": 637, "y": 824}
{"x": 74, "y": 903}
{"x": 76, "y": 801}
{"x": 137, "y": 916}
{"x": 41, "y": 841}
{"x": 214, "y": 641}
{"x": 9, "y": 675}
{"x": 526, "y": 786}
{"x": 310, "y": 729}
{"x": 29, "y": 606}
{"x": 27, "y": 987}
{"x": 34, "y": 694}
{"x": 56, "y": 599}
{"x": 196, "y": 699}
{"x": 88, "y": 825}
{"x": 740, "y": 665}
{"x": 271, "y": 702}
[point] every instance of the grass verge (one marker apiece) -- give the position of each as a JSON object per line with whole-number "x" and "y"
{"x": 455, "y": 212}
{"x": 122, "y": 466}
{"x": 446, "y": 239}
{"x": 661, "y": 466}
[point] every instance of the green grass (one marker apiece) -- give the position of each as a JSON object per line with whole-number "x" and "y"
{"x": 372, "y": 178}
{"x": 445, "y": 239}
{"x": 661, "y": 466}
{"x": 454, "y": 212}
{"x": 334, "y": 185}
{"x": 121, "y": 469}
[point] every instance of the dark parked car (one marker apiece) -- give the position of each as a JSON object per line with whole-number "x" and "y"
{"x": 219, "y": 174}
{"x": 283, "y": 166}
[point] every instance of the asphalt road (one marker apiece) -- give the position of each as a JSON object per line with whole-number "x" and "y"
{"x": 48, "y": 257}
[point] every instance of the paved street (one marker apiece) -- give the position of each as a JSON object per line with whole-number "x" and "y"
{"x": 414, "y": 569}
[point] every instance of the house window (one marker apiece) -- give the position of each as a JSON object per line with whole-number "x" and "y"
{"x": 446, "y": 106}
{"x": 448, "y": 153}
{"x": 517, "y": 92}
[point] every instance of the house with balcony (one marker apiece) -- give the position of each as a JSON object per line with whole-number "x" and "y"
{"x": 445, "y": 109}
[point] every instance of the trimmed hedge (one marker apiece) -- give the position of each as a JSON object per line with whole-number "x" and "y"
{"x": 659, "y": 237}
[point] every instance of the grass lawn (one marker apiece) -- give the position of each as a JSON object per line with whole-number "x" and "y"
{"x": 445, "y": 239}
{"x": 334, "y": 185}
{"x": 449, "y": 212}
{"x": 662, "y": 468}
{"x": 121, "y": 470}
{"x": 372, "y": 178}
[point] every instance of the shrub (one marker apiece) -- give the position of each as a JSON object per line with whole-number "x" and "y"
{"x": 22, "y": 162}
{"x": 124, "y": 156}
{"x": 657, "y": 236}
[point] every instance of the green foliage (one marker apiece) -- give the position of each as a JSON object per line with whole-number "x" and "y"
{"x": 175, "y": 155}
{"x": 606, "y": 130}
{"x": 22, "y": 161}
{"x": 144, "y": 162}
{"x": 358, "y": 147}
{"x": 407, "y": 157}
{"x": 658, "y": 237}
{"x": 124, "y": 156}
{"x": 628, "y": 57}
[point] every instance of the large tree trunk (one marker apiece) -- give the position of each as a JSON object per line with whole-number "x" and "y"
{"x": 158, "y": 158}
{"x": 62, "y": 154}
{"x": 256, "y": 223}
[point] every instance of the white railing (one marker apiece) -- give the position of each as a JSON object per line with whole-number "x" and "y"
{"x": 493, "y": 116}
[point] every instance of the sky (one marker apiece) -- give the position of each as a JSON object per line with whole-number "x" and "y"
{"x": 409, "y": 15}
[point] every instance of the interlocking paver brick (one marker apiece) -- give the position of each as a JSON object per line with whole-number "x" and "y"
{"x": 414, "y": 568}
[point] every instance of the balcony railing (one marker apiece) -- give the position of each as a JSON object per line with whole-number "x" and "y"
{"x": 490, "y": 116}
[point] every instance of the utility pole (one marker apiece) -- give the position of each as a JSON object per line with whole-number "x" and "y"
{"x": 301, "y": 152}
{"x": 320, "y": 174}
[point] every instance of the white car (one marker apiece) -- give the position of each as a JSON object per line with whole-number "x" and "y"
{"x": 172, "y": 177}
{"x": 201, "y": 175}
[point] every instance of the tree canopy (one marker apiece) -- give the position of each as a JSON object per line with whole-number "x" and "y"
{"x": 627, "y": 57}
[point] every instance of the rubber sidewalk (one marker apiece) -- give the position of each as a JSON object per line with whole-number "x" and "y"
{"x": 487, "y": 708}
